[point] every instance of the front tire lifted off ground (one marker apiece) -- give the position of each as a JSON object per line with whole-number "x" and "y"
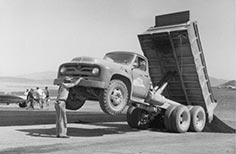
{"x": 74, "y": 100}
{"x": 114, "y": 98}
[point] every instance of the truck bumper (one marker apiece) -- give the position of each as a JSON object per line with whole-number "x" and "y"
{"x": 84, "y": 83}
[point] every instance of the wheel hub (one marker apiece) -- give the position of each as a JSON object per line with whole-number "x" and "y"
{"x": 199, "y": 120}
{"x": 116, "y": 97}
{"x": 183, "y": 119}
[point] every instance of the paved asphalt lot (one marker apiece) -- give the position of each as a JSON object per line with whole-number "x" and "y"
{"x": 91, "y": 131}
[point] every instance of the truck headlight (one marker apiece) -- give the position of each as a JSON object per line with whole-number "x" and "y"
{"x": 62, "y": 70}
{"x": 95, "y": 71}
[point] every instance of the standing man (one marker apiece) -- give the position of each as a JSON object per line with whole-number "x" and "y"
{"x": 47, "y": 97}
{"x": 60, "y": 106}
{"x": 30, "y": 99}
{"x": 40, "y": 97}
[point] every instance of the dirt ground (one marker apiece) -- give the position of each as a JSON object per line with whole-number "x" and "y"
{"x": 91, "y": 131}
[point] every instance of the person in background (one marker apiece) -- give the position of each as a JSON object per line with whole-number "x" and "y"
{"x": 47, "y": 96}
{"x": 60, "y": 106}
{"x": 40, "y": 97}
{"x": 26, "y": 92}
{"x": 30, "y": 99}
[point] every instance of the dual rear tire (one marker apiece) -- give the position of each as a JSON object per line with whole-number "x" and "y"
{"x": 198, "y": 119}
{"x": 180, "y": 119}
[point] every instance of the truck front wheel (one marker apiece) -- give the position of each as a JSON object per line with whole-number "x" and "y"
{"x": 114, "y": 98}
{"x": 74, "y": 101}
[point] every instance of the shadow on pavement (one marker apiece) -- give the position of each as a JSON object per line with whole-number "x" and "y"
{"x": 82, "y": 132}
{"x": 37, "y": 117}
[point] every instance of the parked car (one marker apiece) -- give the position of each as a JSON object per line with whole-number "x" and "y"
{"x": 9, "y": 99}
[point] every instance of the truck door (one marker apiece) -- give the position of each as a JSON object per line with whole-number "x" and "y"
{"x": 141, "y": 79}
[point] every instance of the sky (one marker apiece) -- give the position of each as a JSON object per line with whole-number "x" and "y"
{"x": 39, "y": 35}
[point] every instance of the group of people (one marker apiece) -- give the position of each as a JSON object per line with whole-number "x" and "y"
{"x": 37, "y": 95}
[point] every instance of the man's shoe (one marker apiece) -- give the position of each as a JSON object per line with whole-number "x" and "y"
{"x": 63, "y": 136}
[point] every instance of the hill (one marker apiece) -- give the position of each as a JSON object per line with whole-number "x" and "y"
{"x": 230, "y": 84}
{"x": 39, "y": 75}
{"x": 20, "y": 84}
{"x": 24, "y": 80}
{"x": 216, "y": 82}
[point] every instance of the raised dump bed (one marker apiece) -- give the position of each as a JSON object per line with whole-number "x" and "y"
{"x": 173, "y": 45}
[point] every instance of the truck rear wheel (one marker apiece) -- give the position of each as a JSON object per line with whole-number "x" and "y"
{"x": 198, "y": 119}
{"x": 137, "y": 118}
{"x": 114, "y": 98}
{"x": 180, "y": 119}
{"x": 167, "y": 117}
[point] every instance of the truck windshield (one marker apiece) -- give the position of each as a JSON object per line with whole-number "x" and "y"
{"x": 122, "y": 58}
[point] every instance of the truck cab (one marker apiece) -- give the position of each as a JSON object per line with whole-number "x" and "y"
{"x": 120, "y": 77}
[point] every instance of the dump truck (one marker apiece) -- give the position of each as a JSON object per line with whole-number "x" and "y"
{"x": 182, "y": 94}
{"x": 168, "y": 85}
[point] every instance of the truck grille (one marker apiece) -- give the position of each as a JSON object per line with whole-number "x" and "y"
{"x": 76, "y": 70}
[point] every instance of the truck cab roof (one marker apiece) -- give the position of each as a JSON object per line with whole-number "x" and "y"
{"x": 126, "y": 52}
